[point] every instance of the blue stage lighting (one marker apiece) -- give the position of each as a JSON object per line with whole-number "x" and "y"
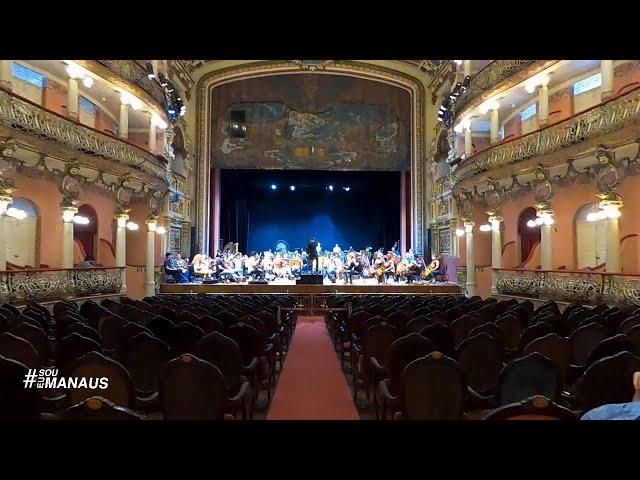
{"x": 274, "y": 187}
{"x": 346, "y": 189}
{"x": 330, "y": 187}
{"x": 292, "y": 187}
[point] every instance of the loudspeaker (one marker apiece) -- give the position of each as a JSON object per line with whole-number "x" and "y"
{"x": 309, "y": 279}
{"x": 237, "y": 124}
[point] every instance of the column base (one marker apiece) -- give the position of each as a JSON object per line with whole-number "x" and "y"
{"x": 470, "y": 289}
{"x": 150, "y": 289}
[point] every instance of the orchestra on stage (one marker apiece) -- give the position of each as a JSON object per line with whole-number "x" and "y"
{"x": 336, "y": 266}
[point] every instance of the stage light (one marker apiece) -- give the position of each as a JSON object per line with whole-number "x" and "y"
{"x": 330, "y": 187}
{"x": 346, "y": 189}
{"x": 150, "y": 73}
{"x": 274, "y": 187}
{"x": 292, "y": 188}
{"x": 532, "y": 224}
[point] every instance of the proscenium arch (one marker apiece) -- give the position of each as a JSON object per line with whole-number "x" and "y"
{"x": 371, "y": 72}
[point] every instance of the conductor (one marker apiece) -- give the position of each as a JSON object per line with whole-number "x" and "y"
{"x": 312, "y": 254}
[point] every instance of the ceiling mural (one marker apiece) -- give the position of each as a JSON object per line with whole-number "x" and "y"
{"x": 312, "y": 121}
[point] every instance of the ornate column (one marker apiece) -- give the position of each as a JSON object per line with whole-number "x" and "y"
{"x": 121, "y": 247}
{"x": 166, "y": 223}
{"x": 496, "y": 249}
{"x": 152, "y": 135}
{"x": 466, "y": 67}
{"x": 495, "y": 124}
{"x": 606, "y": 68}
{"x": 123, "y": 125}
{"x": 149, "y": 280}
{"x": 546, "y": 253}
{"x": 6, "y": 74}
{"x": 5, "y": 201}
{"x": 543, "y": 102}
{"x": 468, "y": 140}
{"x": 611, "y": 206}
{"x": 154, "y": 65}
{"x": 72, "y": 98}
{"x": 68, "y": 212}
{"x": 471, "y": 263}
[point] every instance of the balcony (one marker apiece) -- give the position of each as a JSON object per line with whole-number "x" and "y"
{"x": 611, "y": 116}
{"x": 495, "y": 78}
{"x": 587, "y": 287}
{"x": 23, "y": 115}
{"x": 133, "y": 73}
{"x": 21, "y": 286}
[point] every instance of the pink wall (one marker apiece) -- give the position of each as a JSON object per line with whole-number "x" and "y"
{"x": 560, "y": 105}
{"x": 626, "y": 76}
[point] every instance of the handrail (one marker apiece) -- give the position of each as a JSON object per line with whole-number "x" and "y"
{"x": 529, "y": 139}
{"x": 576, "y": 272}
{"x": 69, "y": 119}
{"x": 43, "y": 270}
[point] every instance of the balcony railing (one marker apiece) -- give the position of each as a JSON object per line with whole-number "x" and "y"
{"x": 21, "y": 114}
{"x": 134, "y": 73}
{"x": 20, "y": 286}
{"x": 587, "y": 287}
{"x": 601, "y": 119}
{"x": 490, "y": 76}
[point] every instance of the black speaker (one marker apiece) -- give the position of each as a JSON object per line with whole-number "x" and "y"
{"x": 309, "y": 279}
{"x": 237, "y": 124}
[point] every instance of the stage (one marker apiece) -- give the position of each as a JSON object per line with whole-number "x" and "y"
{"x": 324, "y": 289}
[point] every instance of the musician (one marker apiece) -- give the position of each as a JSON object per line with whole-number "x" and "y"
{"x": 254, "y": 269}
{"x": 224, "y": 270}
{"x": 337, "y": 250}
{"x": 387, "y": 267}
{"x": 171, "y": 267}
{"x": 185, "y": 268}
{"x": 353, "y": 265}
{"x": 312, "y": 253}
{"x": 434, "y": 268}
{"x": 280, "y": 267}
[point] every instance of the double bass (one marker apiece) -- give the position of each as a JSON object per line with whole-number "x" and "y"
{"x": 435, "y": 263}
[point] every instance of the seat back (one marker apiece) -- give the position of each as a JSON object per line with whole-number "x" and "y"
{"x": 480, "y": 357}
{"x": 146, "y": 357}
{"x": 531, "y": 375}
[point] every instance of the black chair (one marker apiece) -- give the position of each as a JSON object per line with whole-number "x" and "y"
{"x": 19, "y": 349}
{"x": 224, "y": 353}
{"x": 441, "y": 337}
{"x": 481, "y": 357}
{"x": 17, "y": 402}
{"x": 99, "y": 408}
{"x": 610, "y": 346}
{"x": 432, "y": 388}
{"x": 528, "y": 376}
{"x": 192, "y": 389}
{"x": 608, "y": 380}
{"x": 145, "y": 357}
{"x": 186, "y": 336}
{"x": 536, "y": 407}
{"x": 37, "y": 337}
{"x": 72, "y": 347}
{"x": 555, "y": 348}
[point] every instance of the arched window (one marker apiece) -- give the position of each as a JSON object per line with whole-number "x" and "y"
{"x": 528, "y": 237}
{"x": 21, "y": 232}
{"x": 86, "y": 233}
{"x": 591, "y": 238}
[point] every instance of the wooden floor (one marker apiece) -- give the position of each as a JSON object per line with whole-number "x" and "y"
{"x": 430, "y": 289}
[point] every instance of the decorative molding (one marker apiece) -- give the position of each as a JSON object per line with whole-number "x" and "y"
{"x": 496, "y": 77}
{"x": 210, "y": 80}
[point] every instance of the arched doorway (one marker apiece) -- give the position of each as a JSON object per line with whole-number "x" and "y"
{"x": 528, "y": 237}
{"x": 21, "y": 233}
{"x": 591, "y": 238}
{"x": 86, "y": 233}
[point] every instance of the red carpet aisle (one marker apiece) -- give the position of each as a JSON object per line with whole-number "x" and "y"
{"x": 312, "y": 385}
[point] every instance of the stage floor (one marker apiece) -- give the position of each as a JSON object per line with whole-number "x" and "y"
{"x": 290, "y": 287}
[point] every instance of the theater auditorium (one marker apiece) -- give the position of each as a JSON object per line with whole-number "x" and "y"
{"x": 383, "y": 240}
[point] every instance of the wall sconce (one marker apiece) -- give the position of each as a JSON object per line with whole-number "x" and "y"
{"x": 133, "y": 226}
{"x": 68, "y": 214}
{"x": 468, "y": 228}
{"x": 459, "y": 232}
{"x": 161, "y": 230}
{"x": 152, "y": 225}
{"x": 4, "y": 203}
{"x": 485, "y": 228}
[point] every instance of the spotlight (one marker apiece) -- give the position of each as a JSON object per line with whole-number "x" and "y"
{"x": 274, "y": 186}
{"x": 292, "y": 188}
{"x": 346, "y": 189}
{"x": 150, "y": 73}
{"x": 330, "y": 187}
